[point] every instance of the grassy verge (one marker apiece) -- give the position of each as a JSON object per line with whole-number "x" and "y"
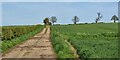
{"x": 7, "y": 44}
{"x": 62, "y": 49}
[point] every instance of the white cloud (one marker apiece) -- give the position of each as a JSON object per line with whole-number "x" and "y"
{"x": 60, "y": 0}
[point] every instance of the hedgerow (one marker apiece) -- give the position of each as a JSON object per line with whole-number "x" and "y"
{"x": 11, "y": 32}
{"x": 11, "y": 36}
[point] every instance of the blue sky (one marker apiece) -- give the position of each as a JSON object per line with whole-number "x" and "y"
{"x": 60, "y": 0}
{"x": 23, "y": 13}
{"x": 0, "y": 14}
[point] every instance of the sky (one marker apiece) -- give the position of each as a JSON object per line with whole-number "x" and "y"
{"x": 119, "y": 10}
{"x": 60, "y": 0}
{"x": 25, "y": 13}
{"x": 0, "y": 14}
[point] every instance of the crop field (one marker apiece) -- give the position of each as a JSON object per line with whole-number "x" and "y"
{"x": 68, "y": 41}
{"x": 90, "y": 40}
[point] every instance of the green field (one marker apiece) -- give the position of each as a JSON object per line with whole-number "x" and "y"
{"x": 90, "y": 40}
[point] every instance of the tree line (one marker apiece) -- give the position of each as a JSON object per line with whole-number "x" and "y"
{"x": 53, "y": 19}
{"x": 50, "y": 21}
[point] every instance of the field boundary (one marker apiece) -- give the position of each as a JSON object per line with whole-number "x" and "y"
{"x": 74, "y": 51}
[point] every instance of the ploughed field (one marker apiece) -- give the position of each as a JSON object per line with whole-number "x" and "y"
{"x": 89, "y": 40}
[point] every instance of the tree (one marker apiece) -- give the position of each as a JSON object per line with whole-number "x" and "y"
{"x": 75, "y": 19}
{"x": 50, "y": 23}
{"x": 53, "y": 19}
{"x": 99, "y": 16}
{"x": 115, "y": 18}
{"x": 46, "y": 21}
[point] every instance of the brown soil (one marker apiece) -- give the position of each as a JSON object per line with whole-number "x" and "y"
{"x": 38, "y": 46}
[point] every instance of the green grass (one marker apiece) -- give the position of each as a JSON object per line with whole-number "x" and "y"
{"x": 7, "y": 44}
{"x": 90, "y": 40}
{"x": 61, "y": 48}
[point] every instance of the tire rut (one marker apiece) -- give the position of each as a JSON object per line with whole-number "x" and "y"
{"x": 38, "y": 46}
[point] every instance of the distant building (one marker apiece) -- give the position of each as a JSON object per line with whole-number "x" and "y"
{"x": 119, "y": 9}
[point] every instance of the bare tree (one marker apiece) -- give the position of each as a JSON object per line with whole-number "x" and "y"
{"x": 99, "y": 16}
{"x": 75, "y": 19}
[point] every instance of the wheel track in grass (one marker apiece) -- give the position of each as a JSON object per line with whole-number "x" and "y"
{"x": 74, "y": 51}
{"x": 38, "y": 46}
